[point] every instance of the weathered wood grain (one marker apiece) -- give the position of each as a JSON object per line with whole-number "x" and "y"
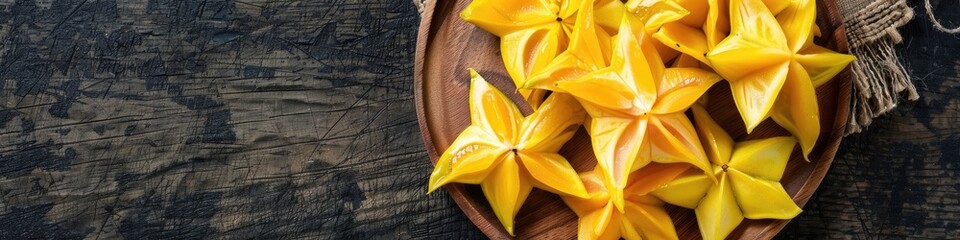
{"x": 147, "y": 119}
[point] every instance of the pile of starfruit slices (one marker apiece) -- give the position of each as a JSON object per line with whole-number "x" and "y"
{"x": 634, "y": 75}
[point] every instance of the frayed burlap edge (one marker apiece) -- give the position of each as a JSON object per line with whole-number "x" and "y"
{"x": 878, "y": 77}
{"x": 878, "y": 80}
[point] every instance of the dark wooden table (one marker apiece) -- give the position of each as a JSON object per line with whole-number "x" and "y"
{"x": 148, "y": 119}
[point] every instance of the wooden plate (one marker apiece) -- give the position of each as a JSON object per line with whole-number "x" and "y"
{"x": 447, "y": 46}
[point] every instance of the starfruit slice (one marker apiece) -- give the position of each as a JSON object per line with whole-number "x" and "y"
{"x": 749, "y": 181}
{"x": 650, "y": 15}
{"x": 643, "y": 216}
{"x": 773, "y": 67}
{"x": 533, "y": 32}
{"x": 699, "y": 31}
{"x": 637, "y": 108}
{"x": 585, "y": 54}
{"x": 706, "y": 25}
{"x": 508, "y": 154}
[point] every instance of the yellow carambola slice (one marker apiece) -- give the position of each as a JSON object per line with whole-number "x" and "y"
{"x": 643, "y": 216}
{"x": 508, "y": 154}
{"x": 636, "y": 107}
{"x": 533, "y": 32}
{"x": 749, "y": 181}
{"x": 773, "y": 67}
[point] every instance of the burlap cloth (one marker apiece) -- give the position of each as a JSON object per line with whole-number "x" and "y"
{"x": 878, "y": 77}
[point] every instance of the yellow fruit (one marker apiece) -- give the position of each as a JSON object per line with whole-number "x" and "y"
{"x": 749, "y": 181}
{"x": 650, "y": 15}
{"x": 584, "y": 55}
{"x": 698, "y": 32}
{"x": 772, "y": 66}
{"x": 637, "y": 106}
{"x": 606, "y": 59}
{"x": 643, "y": 216}
{"x": 533, "y": 32}
{"x": 508, "y": 154}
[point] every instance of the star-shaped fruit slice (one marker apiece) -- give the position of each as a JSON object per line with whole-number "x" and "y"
{"x": 707, "y": 24}
{"x": 636, "y": 108}
{"x": 508, "y": 154}
{"x": 585, "y": 54}
{"x": 651, "y": 16}
{"x": 533, "y": 32}
{"x": 773, "y": 66}
{"x": 749, "y": 181}
{"x": 643, "y": 216}
{"x": 699, "y": 31}
{"x": 589, "y": 51}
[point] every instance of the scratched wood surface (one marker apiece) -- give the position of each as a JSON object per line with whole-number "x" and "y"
{"x": 186, "y": 119}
